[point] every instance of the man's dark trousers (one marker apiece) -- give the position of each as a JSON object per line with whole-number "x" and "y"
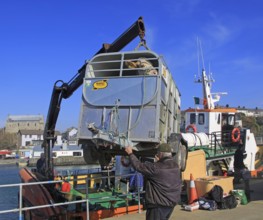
{"x": 159, "y": 213}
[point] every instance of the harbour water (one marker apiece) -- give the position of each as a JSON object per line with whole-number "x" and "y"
{"x": 9, "y": 174}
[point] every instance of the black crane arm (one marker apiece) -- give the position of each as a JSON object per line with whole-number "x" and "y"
{"x": 137, "y": 29}
{"x": 63, "y": 90}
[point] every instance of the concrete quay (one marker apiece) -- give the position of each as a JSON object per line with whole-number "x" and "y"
{"x": 8, "y": 161}
{"x": 252, "y": 211}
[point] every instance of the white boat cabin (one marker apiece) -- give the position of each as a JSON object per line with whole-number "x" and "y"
{"x": 209, "y": 120}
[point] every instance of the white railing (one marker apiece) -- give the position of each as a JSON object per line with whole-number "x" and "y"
{"x": 20, "y": 209}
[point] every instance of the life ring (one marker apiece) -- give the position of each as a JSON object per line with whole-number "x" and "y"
{"x": 191, "y": 128}
{"x": 125, "y": 161}
{"x": 235, "y": 135}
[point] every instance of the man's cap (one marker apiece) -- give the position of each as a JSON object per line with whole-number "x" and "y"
{"x": 164, "y": 148}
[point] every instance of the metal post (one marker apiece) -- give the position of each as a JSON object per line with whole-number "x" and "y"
{"x": 51, "y": 174}
{"x": 139, "y": 195}
{"x": 87, "y": 198}
{"x": 20, "y": 202}
{"x": 127, "y": 192}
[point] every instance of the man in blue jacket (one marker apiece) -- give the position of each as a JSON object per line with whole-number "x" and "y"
{"x": 163, "y": 182}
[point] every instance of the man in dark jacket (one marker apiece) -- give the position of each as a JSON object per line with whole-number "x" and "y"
{"x": 41, "y": 164}
{"x": 239, "y": 165}
{"x": 241, "y": 171}
{"x": 163, "y": 182}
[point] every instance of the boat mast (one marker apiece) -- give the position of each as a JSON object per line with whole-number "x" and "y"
{"x": 208, "y": 101}
{"x": 209, "y": 98}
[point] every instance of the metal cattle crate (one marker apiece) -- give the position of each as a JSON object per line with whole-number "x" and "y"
{"x": 128, "y": 98}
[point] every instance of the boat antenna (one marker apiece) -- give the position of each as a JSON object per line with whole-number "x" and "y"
{"x": 198, "y": 61}
{"x": 201, "y": 51}
{"x": 199, "y": 56}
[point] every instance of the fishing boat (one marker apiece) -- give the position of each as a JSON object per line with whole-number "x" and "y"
{"x": 77, "y": 196}
{"x": 6, "y": 154}
{"x": 217, "y": 130}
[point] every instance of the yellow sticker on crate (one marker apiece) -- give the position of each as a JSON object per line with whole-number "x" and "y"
{"x": 102, "y": 84}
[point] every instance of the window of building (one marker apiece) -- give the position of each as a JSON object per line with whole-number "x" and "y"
{"x": 76, "y": 154}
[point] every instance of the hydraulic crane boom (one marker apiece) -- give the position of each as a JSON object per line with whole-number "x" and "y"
{"x": 62, "y": 90}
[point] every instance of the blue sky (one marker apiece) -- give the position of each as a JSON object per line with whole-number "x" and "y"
{"x": 45, "y": 41}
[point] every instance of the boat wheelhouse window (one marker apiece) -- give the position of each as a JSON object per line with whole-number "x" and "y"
{"x": 192, "y": 118}
{"x": 224, "y": 121}
{"x": 77, "y": 154}
{"x": 231, "y": 120}
{"x": 228, "y": 119}
{"x": 201, "y": 118}
{"x": 218, "y": 119}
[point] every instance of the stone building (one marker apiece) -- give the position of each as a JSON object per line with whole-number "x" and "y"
{"x": 14, "y": 123}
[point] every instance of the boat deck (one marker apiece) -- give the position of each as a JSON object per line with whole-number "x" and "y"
{"x": 251, "y": 211}
{"x": 212, "y": 153}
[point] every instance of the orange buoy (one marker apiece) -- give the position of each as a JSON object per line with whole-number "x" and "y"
{"x": 66, "y": 187}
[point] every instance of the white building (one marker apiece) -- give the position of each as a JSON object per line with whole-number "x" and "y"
{"x": 28, "y": 138}
{"x": 60, "y": 151}
{"x": 72, "y": 136}
{"x": 72, "y": 132}
{"x": 255, "y": 112}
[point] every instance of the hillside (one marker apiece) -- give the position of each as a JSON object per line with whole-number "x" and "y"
{"x": 255, "y": 124}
